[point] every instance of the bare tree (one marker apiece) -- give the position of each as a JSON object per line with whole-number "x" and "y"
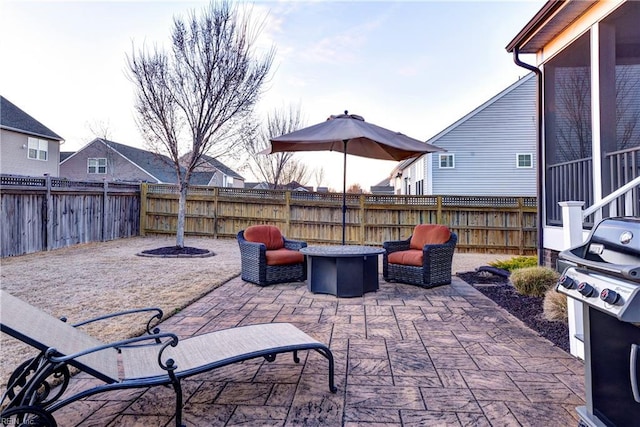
{"x": 277, "y": 168}
{"x": 99, "y": 129}
{"x": 355, "y": 189}
{"x": 574, "y": 112}
{"x": 191, "y": 97}
{"x": 319, "y": 176}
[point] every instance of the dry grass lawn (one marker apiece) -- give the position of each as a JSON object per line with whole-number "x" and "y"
{"x": 85, "y": 281}
{"x": 89, "y": 280}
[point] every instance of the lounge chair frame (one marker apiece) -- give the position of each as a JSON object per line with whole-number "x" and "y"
{"x": 32, "y": 395}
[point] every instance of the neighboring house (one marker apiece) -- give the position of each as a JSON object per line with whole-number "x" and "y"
{"x": 383, "y": 187}
{"x": 292, "y": 186}
{"x": 102, "y": 159}
{"x": 214, "y": 173}
{"x": 589, "y": 56}
{"x": 27, "y": 147}
{"x": 490, "y": 151}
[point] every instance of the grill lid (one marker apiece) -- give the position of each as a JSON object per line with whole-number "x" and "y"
{"x": 613, "y": 247}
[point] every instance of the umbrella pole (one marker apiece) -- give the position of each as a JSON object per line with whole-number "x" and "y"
{"x": 344, "y": 191}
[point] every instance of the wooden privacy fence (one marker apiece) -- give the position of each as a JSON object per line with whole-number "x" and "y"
{"x": 48, "y": 213}
{"x": 483, "y": 224}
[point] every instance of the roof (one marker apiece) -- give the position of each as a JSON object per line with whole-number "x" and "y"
{"x": 221, "y": 167}
{"x": 159, "y": 166}
{"x": 402, "y": 165}
{"x": 200, "y": 178}
{"x": 65, "y": 154}
{"x": 14, "y": 119}
{"x": 551, "y": 19}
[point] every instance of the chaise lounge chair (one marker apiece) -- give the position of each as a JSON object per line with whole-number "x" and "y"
{"x": 153, "y": 359}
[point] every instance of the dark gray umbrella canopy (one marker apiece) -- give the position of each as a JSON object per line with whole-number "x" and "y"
{"x": 350, "y": 134}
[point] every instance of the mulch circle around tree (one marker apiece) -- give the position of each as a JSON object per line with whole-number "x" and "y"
{"x": 526, "y": 308}
{"x": 176, "y": 252}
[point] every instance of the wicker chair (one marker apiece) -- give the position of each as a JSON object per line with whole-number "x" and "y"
{"x": 424, "y": 259}
{"x": 269, "y": 258}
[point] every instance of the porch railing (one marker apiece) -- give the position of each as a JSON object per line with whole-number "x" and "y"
{"x": 574, "y": 181}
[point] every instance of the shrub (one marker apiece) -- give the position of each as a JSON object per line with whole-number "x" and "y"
{"x": 534, "y": 281}
{"x": 516, "y": 263}
{"x": 555, "y": 306}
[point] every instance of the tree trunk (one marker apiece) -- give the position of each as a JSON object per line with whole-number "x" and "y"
{"x": 182, "y": 207}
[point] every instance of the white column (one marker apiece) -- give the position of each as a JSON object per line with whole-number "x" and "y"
{"x": 573, "y": 236}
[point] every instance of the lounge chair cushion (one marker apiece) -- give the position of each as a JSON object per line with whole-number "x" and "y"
{"x": 268, "y": 234}
{"x": 283, "y": 257}
{"x": 429, "y": 234}
{"x": 410, "y": 257}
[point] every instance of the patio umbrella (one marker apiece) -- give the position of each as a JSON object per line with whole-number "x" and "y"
{"x": 350, "y": 134}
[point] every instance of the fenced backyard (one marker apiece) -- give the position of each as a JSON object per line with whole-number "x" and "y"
{"x": 48, "y": 213}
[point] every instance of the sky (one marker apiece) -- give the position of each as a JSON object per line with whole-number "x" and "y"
{"x": 413, "y": 67}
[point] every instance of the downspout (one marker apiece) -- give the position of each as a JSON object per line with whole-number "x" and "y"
{"x": 539, "y": 149}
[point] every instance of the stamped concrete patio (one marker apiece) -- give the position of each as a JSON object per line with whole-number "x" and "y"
{"x": 405, "y": 356}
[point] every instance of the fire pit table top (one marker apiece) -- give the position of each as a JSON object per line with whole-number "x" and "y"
{"x": 342, "y": 250}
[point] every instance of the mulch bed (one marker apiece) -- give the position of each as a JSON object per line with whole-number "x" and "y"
{"x": 177, "y": 252}
{"x": 526, "y": 308}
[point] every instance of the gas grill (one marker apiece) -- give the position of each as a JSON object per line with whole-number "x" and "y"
{"x": 604, "y": 274}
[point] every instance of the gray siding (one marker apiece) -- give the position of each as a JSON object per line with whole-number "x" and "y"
{"x": 118, "y": 167}
{"x": 14, "y": 160}
{"x": 485, "y": 145}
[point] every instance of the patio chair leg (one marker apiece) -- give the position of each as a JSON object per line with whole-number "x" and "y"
{"x": 327, "y": 353}
{"x": 177, "y": 387}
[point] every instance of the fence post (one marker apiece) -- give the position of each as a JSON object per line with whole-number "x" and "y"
{"x": 216, "y": 197}
{"x": 439, "y": 211}
{"x": 363, "y": 215}
{"x": 521, "y": 223}
{"x": 143, "y": 208}
{"x": 105, "y": 188}
{"x": 49, "y": 215}
{"x": 287, "y": 220}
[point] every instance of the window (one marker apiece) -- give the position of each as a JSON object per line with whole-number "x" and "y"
{"x": 447, "y": 161}
{"x": 227, "y": 181}
{"x": 524, "y": 160}
{"x": 97, "y": 165}
{"x": 38, "y": 149}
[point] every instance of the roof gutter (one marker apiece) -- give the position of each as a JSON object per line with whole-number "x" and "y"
{"x": 539, "y": 149}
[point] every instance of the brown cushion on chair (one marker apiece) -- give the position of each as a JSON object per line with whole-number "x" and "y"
{"x": 410, "y": 257}
{"x": 429, "y": 234}
{"x": 284, "y": 257}
{"x": 268, "y": 234}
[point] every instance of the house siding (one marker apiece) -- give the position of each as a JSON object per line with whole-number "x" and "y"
{"x": 14, "y": 158}
{"x": 485, "y": 148}
{"x": 118, "y": 167}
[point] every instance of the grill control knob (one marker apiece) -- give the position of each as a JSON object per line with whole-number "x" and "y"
{"x": 567, "y": 282}
{"x": 609, "y": 296}
{"x": 586, "y": 289}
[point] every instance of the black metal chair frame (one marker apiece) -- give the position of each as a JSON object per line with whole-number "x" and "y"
{"x": 255, "y": 268}
{"x": 436, "y": 263}
{"x": 36, "y": 386}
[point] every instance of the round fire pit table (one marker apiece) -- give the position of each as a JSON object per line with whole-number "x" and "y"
{"x": 343, "y": 270}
